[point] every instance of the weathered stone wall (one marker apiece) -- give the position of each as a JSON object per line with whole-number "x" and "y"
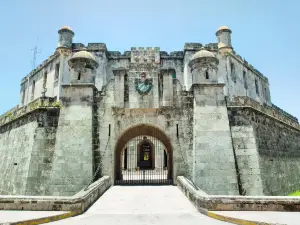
{"x": 73, "y": 156}
{"x": 231, "y": 71}
{"x": 26, "y": 145}
{"x": 214, "y": 163}
{"x": 16, "y": 143}
{"x": 42, "y": 153}
{"x": 269, "y": 152}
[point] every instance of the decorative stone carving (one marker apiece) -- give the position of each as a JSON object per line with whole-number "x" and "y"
{"x": 143, "y": 85}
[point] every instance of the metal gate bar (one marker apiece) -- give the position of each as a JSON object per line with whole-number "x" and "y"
{"x": 144, "y": 161}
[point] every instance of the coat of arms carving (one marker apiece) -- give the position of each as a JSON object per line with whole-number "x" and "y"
{"x": 143, "y": 85}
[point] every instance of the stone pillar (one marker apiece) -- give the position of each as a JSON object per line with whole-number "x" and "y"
{"x": 133, "y": 95}
{"x": 214, "y": 169}
{"x": 119, "y": 87}
{"x": 167, "y": 87}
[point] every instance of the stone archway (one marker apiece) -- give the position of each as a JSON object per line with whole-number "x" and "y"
{"x": 163, "y": 176}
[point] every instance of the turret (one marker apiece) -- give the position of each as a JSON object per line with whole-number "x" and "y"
{"x": 65, "y": 37}
{"x": 204, "y": 67}
{"x": 224, "y": 39}
{"x": 83, "y": 65}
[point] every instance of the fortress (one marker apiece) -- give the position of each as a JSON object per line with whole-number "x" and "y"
{"x": 145, "y": 117}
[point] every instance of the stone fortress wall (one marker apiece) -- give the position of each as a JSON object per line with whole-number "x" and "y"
{"x": 27, "y": 140}
{"x": 218, "y": 126}
{"x": 267, "y": 148}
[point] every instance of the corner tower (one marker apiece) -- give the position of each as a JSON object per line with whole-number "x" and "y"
{"x": 214, "y": 167}
{"x": 73, "y": 156}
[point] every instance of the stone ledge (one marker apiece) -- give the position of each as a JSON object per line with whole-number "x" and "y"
{"x": 237, "y": 203}
{"x": 246, "y": 102}
{"x": 78, "y": 202}
{"x": 17, "y": 112}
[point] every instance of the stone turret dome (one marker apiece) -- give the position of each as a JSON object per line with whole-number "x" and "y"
{"x": 223, "y": 28}
{"x": 84, "y": 56}
{"x": 203, "y": 54}
{"x": 66, "y": 28}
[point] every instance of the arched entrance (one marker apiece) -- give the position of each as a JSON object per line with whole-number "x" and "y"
{"x": 143, "y": 156}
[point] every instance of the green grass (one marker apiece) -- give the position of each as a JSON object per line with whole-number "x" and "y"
{"x": 296, "y": 193}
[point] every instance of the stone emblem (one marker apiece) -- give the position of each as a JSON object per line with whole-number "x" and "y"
{"x": 143, "y": 85}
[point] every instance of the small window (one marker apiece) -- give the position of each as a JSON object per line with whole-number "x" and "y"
{"x": 79, "y": 76}
{"x": 245, "y": 80}
{"x": 45, "y": 80}
{"x": 56, "y": 71}
{"x": 266, "y": 94}
{"x": 233, "y": 75}
{"x": 256, "y": 87}
{"x": 206, "y": 75}
{"x": 23, "y": 94}
{"x": 32, "y": 90}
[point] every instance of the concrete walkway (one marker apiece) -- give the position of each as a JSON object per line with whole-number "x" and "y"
{"x": 142, "y": 205}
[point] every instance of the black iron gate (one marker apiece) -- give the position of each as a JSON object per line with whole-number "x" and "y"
{"x": 144, "y": 160}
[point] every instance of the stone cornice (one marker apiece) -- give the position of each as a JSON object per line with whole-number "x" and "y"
{"x": 245, "y": 102}
{"x": 16, "y": 113}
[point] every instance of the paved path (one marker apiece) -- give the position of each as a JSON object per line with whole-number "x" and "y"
{"x": 142, "y": 205}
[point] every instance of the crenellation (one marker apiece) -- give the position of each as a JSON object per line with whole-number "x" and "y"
{"x": 192, "y": 46}
{"x": 96, "y": 47}
{"x": 78, "y": 46}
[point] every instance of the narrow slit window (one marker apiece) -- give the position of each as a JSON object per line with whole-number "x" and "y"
{"x": 256, "y": 87}
{"x": 32, "y": 91}
{"x": 266, "y": 94}
{"x": 109, "y": 130}
{"x": 177, "y": 131}
{"x": 56, "y": 71}
{"x": 23, "y": 95}
{"x": 79, "y": 76}
{"x": 45, "y": 80}
{"x": 233, "y": 75}
{"x": 206, "y": 75}
{"x": 245, "y": 80}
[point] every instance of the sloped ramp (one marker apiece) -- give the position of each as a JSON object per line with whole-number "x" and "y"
{"x": 142, "y": 205}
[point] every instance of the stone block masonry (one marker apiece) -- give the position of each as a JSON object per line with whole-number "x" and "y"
{"x": 268, "y": 152}
{"x": 214, "y": 167}
{"x": 26, "y": 145}
{"x": 73, "y": 157}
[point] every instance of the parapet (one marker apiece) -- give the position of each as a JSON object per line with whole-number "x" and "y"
{"x": 96, "y": 47}
{"x": 145, "y": 55}
{"x": 192, "y": 46}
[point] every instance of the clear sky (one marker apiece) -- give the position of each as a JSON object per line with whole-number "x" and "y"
{"x": 264, "y": 32}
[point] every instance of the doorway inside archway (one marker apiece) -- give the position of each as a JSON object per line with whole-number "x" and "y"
{"x": 143, "y": 157}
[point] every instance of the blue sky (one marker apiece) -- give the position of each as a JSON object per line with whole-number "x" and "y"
{"x": 266, "y": 33}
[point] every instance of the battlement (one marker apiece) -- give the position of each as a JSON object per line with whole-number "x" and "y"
{"x": 192, "y": 46}
{"x": 145, "y": 55}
